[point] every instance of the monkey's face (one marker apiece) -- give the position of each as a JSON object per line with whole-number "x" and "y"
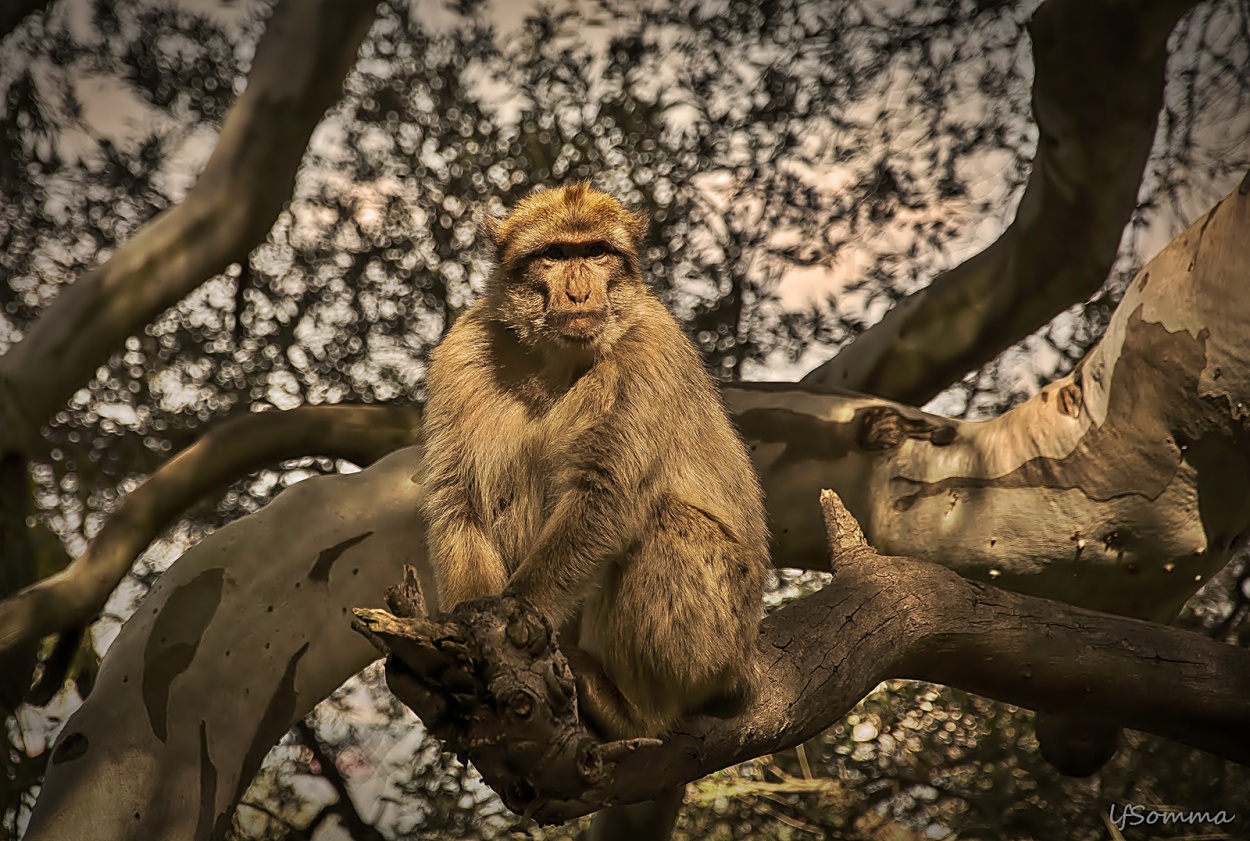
{"x": 568, "y": 272}
{"x": 570, "y": 295}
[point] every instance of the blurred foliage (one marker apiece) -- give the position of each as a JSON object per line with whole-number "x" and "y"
{"x": 805, "y": 163}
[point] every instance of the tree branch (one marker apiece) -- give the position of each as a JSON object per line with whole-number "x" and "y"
{"x": 1097, "y": 91}
{"x": 489, "y": 680}
{"x": 74, "y": 597}
{"x": 1121, "y": 487}
{"x": 298, "y": 71}
{"x": 236, "y": 642}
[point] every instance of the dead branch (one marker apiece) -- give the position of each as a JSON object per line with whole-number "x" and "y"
{"x": 490, "y": 681}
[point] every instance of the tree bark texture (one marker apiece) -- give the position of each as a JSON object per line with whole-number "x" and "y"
{"x": 1120, "y": 487}
{"x": 489, "y": 681}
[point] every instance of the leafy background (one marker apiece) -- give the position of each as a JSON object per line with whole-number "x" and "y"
{"x": 806, "y": 164}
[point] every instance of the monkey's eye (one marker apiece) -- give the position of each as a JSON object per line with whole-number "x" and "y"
{"x": 596, "y": 249}
{"x": 552, "y": 252}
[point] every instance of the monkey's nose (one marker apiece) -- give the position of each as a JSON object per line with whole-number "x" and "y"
{"x": 575, "y": 297}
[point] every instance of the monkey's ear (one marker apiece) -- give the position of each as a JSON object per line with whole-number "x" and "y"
{"x": 639, "y": 224}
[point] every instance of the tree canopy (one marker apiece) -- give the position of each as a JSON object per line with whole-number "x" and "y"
{"x": 922, "y": 244}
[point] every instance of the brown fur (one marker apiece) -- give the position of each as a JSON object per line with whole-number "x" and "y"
{"x": 579, "y": 456}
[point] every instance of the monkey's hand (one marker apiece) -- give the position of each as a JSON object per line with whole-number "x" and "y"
{"x": 490, "y": 682}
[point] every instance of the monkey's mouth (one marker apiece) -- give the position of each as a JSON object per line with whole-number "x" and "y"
{"x": 578, "y": 326}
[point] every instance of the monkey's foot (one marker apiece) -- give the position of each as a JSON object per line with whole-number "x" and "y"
{"x": 490, "y": 682}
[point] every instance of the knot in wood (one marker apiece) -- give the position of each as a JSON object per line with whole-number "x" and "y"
{"x": 589, "y": 761}
{"x": 519, "y": 703}
{"x": 1069, "y": 400}
{"x": 885, "y": 428}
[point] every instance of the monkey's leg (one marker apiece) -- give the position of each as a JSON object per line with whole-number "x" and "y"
{"x": 676, "y": 625}
{"x": 676, "y": 622}
{"x": 608, "y": 712}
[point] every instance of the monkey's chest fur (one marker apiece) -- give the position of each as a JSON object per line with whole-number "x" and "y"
{"x": 518, "y": 492}
{"x": 520, "y": 478}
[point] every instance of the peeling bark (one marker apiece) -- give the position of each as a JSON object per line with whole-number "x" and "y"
{"x": 297, "y": 74}
{"x": 1096, "y": 124}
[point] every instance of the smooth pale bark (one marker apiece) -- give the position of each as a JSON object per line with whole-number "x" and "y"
{"x": 1121, "y": 487}
{"x": 239, "y": 639}
{"x": 215, "y": 659}
{"x": 297, "y": 74}
{"x": 74, "y": 597}
{"x": 1096, "y": 124}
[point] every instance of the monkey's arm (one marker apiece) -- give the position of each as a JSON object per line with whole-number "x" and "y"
{"x": 467, "y": 565}
{"x": 601, "y": 510}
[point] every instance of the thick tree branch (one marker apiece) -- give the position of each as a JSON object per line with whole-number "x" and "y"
{"x": 298, "y": 72}
{"x": 1121, "y": 487}
{"x": 489, "y": 680}
{"x": 236, "y": 642}
{"x": 73, "y": 597}
{"x": 1096, "y": 97}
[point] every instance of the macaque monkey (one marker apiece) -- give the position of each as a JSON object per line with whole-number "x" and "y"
{"x": 578, "y": 457}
